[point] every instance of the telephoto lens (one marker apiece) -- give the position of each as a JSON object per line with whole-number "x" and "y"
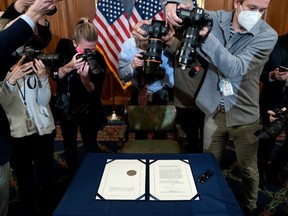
{"x": 155, "y": 46}
{"x": 192, "y": 22}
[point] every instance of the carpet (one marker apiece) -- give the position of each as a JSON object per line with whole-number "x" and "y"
{"x": 272, "y": 200}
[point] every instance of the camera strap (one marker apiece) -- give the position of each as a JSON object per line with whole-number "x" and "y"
{"x": 29, "y": 122}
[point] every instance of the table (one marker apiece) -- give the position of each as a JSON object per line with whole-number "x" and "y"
{"x": 216, "y": 198}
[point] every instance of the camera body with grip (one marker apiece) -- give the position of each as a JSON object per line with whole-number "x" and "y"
{"x": 192, "y": 22}
{"x": 91, "y": 58}
{"x": 151, "y": 70}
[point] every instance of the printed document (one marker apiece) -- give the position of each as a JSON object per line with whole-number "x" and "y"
{"x": 123, "y": 180}
{"x": 172, "y": 180}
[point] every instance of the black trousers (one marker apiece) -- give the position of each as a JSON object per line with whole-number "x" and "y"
{"x": 32, "y": 160}
{"x": 280, "y": 158}
{"x": 88, "y": 129}
{"x": 192, "y": 122}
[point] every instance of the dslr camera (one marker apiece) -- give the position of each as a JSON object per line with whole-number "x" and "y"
{"x": 274, "y": 128}
{"x": 152, "y": 57}
{"x": 90, "y": 57}
{"x": 51, "y": 60}
{"x": 193, "y": 21}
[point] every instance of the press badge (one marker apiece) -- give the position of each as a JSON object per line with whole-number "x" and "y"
{"x": 29, "y": 124}
{"x": 226, "y": 87}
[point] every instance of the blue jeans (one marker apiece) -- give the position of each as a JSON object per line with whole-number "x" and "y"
{"x": 217, "y": 135}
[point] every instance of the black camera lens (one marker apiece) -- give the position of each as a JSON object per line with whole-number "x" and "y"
{"x": 192, "y": 22}
{"x": 274, "y": 128}
{"x": 51, "y": 60}
{"x": 187, "y": 54}
{"x": 152, "y": 58}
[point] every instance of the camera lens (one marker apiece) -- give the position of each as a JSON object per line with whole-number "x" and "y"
{"x": 187, "y": 52}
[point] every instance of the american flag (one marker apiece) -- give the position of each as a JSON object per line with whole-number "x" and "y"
{"x": 114, "y": 27}
{"x": 113, "y": 30}
{"x": 146, "y": 10}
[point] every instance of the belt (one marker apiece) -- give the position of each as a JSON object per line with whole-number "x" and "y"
{"x": 221, "y": 109}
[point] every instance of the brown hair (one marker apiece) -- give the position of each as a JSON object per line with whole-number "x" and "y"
{"x": 85, "y": 30}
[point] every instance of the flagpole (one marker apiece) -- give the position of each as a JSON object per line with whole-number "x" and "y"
{"x": 113, "y": 116}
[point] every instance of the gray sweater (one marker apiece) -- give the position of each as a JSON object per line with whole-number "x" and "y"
{"x": 37, "y": 100}
{"x": 240, "y": 59}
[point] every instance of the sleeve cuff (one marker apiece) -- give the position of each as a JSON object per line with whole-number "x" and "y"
{"x": 10, "y": 86}
{"x": 28, "y": 21}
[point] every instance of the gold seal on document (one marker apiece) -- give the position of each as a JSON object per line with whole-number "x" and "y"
{"x": 131, "y": 172}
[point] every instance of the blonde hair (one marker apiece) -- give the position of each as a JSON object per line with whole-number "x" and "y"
{"x": 85, "y": 30}
{"x": 3, "y": 23}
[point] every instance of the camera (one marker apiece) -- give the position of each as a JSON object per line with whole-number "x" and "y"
{"x": 193, "y": 21}
{"x": 143, "y": 77}
{"x": 90, "y": 57}
{"x": 152, "y": 56}
{"x": 51, "y": 60}
{"x": 274, "y": 128}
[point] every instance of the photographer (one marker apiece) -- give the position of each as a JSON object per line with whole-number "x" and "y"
{"x": 38, "y": 41}
{"x": 273, "y": 97}
{"x": 131, "y": 66}
{"x": 30, "y": 24}
{"x": 32, "y": 130}
{"x": 189, "y": 116}
{"x": 79, "y": 87}
{"x": 236, "y": 50}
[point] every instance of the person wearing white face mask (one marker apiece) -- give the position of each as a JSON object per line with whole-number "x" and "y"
{"x": 236, "y": 50}
{"x": 248, "y": 19}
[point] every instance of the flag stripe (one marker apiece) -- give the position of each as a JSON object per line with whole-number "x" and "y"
{"x": 114, "y": 27}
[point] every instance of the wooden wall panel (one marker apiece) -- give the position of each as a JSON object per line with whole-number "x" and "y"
{"x": 4, "y": 4}
{"x": 64, "y": 21}
{"x": 219, "y": 5}
{"x": 277, "y": 16}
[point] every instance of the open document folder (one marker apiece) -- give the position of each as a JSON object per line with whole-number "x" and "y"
{"x": 147, "y": 180}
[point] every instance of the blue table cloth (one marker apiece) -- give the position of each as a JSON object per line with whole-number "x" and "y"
{"x": 216, "y": 198}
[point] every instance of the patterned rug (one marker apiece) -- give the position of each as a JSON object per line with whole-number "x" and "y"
{"x": 272, "y": 200}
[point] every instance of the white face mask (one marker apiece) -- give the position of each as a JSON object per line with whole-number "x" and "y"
{"x": 247, "y": 19}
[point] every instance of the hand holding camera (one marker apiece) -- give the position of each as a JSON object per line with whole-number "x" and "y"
{"x": 91, "y": 58}
{"x": 137, "y": 61}
{"x": 20, "y": 70}
{"x": 196, "y": 25}
{"x": 171, "y": 15}
{"x": 39, "y": 68}
{"x": 138, "y": 32}
{"x": 151, "y": 70}
{"x": 22, "y": 5}
{"x": 41, "y": 7}
{"x": 279, "y": 122}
